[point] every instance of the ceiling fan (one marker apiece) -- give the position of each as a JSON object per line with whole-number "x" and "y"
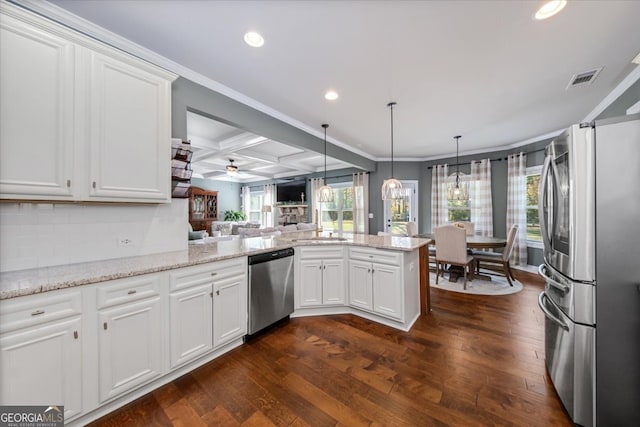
{"x": 231, "y": 169}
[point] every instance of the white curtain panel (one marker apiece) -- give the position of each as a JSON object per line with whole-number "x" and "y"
{"x": 269, "y": 200}
{"x": 439, "y": 181}
{"x": 480, "y": 198}
{"x": 361, "y": 203}
{"x": 316, "y": 183}
{"x": 246, "y": 200}
{"x": 517, "y": 204}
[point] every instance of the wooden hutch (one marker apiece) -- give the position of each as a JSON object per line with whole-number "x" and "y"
{"x": 203, "y": 208}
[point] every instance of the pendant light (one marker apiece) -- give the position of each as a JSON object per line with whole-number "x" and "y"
{"x": 391, "y": 188}
{"x": 325, "y": 193}
{"x": 458, "y": 189}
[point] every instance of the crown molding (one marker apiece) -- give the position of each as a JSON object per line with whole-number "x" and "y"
{"x": 625, "y": 84}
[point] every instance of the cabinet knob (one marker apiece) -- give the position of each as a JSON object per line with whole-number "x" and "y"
{"x": 75, "y": 335}
{"x": 93, "y": 184}
{"x": 218, "y": 292}
{"x": 214, "y": 274}
{"x": 68, "y": 183}
{"x": 105, "y": 326}
{"x": 211, "y": 294}
{"x": 131, "y": 292}
{"x": 37, "y": 313}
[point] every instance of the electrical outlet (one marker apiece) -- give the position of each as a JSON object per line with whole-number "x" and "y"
{"x": 125, "y": 241}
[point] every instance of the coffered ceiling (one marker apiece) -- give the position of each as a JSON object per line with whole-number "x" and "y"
{"x": 482, "y": 69}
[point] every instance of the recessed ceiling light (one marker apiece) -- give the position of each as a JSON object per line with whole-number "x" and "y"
{"x": 331, "y": 95}
{"x": 253, "y": 39}
{"x": 550, "y": 8}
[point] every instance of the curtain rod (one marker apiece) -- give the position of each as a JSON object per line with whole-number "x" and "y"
{"x": 498, "y": 159}
{"x": 341, "y": 176}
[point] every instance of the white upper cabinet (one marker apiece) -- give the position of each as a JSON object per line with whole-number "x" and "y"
{"x": 36, "y": 113}
{"x": 80, "y": 120}
{"x": 129, "y": 133}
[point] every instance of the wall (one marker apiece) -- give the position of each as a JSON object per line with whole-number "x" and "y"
{"x": 228, "y": 193}
{"x": 624, "y": 101}
{"x": 190, "y": 96}
{"x": 48, "y": 234}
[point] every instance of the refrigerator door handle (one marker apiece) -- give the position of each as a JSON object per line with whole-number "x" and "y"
{"x": 542, "y": 197}
{"x": 542, "y": 273}
{"x": 548, "y": 314}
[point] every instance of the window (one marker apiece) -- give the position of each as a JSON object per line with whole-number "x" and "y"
{"x": 255, "y": 207}
{"x": 534, "y": 236}
{"x": 399, "y": 211}
{"x": 338, "y": 215}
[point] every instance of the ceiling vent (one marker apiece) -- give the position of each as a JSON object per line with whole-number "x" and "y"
{"x": 582, "y": 79}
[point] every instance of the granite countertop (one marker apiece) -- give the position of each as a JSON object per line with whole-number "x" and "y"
{"x": 37, "y": 280}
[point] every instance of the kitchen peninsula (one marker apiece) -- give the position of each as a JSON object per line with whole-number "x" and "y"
{"x": 109, "y": 332}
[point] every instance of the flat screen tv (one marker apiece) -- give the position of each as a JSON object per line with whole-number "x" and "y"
{"x": 291, "y": 191}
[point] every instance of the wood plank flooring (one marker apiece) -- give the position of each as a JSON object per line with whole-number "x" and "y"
{"x": 474, "y": 361}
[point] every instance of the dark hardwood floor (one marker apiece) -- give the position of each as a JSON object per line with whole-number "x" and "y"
{"x": 474, "y": 361}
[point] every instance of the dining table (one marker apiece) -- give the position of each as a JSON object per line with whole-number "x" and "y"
{"x": 473, "y": 242}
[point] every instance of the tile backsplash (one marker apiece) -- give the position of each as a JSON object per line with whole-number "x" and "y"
{"x": 36, "y": 235}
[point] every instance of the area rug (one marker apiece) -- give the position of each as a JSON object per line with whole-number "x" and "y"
{"x": 498, "y": 285}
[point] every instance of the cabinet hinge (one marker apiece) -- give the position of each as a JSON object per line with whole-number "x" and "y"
{"x": 75, "y": 334}
{"x": 105, "y": 326}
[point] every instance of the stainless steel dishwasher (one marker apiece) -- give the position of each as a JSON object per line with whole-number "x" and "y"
{"x": 270, "y": 288}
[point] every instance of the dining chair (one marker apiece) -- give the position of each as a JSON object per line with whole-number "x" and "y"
{"x": 451, "y": 248}
{"x": 498, "y": 261}
{"x": 469, "y": 227}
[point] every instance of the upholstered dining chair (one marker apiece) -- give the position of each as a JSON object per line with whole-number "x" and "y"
{"x": 469, "y": 227}
{"x": 499, "y": 261}
{"x": 451, "y": 248}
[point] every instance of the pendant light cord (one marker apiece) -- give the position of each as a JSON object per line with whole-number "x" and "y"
{"x": 325, "y": 126}
{"x": 391, "y": 104}
{"x": 457, "y": 138}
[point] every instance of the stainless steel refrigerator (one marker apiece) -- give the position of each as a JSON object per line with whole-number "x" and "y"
{"x": 590, "y": 221}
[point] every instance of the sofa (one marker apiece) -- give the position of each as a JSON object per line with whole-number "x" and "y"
{"x": 244, "y": 232}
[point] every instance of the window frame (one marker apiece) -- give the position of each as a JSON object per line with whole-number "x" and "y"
{"x": 531, "y": 171}
{"x": 339, "y": 208}
{"x": 463, "y": 178}
{"x": 260, "y": 194}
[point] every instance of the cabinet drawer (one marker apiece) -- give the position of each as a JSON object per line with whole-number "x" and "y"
{"x": 206, "y": 273}
{"x": 127, "y": 290}
{"x": 306, "y": 252}
{"x": 22, "y": 312}
{"x": 376, "y": 255}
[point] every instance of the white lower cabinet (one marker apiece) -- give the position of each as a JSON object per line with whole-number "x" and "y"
{"x": 376, "y": 282}
{"x": 229, "y": 309}
{"x": 41, "y": 351}
{"x": 130, "y": 347}
{"x": 320, "y": 280}
{"x": 43, "y": 366}
{"x": 191, "y": 335}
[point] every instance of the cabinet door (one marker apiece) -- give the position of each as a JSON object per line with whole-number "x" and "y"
{"x": 229, "y": 309}
{"x": 333, "y": 288}
{"x": 310, "y": 283}
{"x": 191, "y": 313}
{"x": 130, "y": 346}
{"x": 36, "y": 112}
{"x": 387, "y": 291}
{"x": 129, "y": 131}
{"x": 360, "y": 285}
{"x": 42, "y": 365}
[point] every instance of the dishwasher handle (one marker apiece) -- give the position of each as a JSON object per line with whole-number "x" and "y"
{"x": 270, "y": 256}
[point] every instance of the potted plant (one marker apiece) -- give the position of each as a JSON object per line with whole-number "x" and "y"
{"x": 232, "y": 215}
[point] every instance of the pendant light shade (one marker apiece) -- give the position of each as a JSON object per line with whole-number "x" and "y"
{"x": 325, "y": 193}
{"x": 391, "y": 187}
{"x": 458, "y": 189}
